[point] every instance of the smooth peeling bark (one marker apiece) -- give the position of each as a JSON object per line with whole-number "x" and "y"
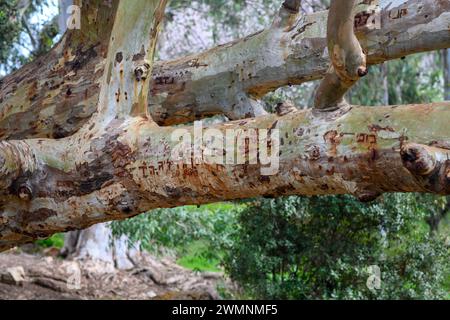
{"x": 214, "y": 82}
{"x": 348, "y": 60}
{"x": 38, "y": 103}
{"x": 31, "y": 170}
{"x": 129, "y": 169}
{"x": 56, "y": 94}
{"x": 357, "y": 150}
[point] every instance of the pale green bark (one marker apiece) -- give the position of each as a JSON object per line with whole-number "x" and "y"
{"x": 36, "y": 102}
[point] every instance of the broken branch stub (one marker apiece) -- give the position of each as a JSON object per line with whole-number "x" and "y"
{"x": 287, "y": 15}
{"x": 430, "y": 165}
{"x": 292, "y": 5}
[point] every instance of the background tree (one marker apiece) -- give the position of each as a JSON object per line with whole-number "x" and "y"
{"x": 323, "y": 247}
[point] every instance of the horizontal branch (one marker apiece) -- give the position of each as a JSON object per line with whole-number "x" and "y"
{"x": 57, "y": 94}
{"x": 52, "y": 186}
{"x": 214, "y": 82}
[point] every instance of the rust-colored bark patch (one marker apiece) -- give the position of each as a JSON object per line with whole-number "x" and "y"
{"x": 333, "y": 139}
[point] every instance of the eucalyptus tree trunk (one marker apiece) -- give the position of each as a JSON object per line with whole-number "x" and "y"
{"x": 86, "y": 135}
{"x": 96, "y": 242}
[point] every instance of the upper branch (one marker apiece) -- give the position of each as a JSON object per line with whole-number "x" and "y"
{"x": 57, "y": 94}
{"x": 346, "y": 54}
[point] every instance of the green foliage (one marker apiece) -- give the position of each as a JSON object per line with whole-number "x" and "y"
{"x": 21, "y": 40}
{"x": 55, "y": 241}
{"x": 198, "y": 257}
{"x": 321, "y": 248}
{"x": 46, "y": 38}
{"x": 413, "y": 79}
{"x": 9, "y": 27}
{"x": 182, "y": 229}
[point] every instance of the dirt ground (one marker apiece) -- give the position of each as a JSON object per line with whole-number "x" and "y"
{"x": 48, "y": 277}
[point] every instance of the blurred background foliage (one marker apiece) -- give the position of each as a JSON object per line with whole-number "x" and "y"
{"x": 28, "y": 28}
{"x": 322, "y": 248}
{"x": 286, "y": 248}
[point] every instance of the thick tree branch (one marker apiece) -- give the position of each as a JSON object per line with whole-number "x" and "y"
{"x": 348, "y": 60}
{"x": 130, "y": 168}
{"x": 54, "y": 97}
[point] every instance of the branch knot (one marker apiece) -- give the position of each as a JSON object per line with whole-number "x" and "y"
{"x": 418, "y": 159}
{"x": 142, "y": 71}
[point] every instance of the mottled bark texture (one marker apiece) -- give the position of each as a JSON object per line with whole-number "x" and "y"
{"x": 119, "y": 163}
{"x": 36, "y": 102}
{"x": 348, "y": 60}
{"x": 32, "y": 170}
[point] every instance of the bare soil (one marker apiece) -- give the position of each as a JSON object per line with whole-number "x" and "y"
{"x": 48, "y": 277}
